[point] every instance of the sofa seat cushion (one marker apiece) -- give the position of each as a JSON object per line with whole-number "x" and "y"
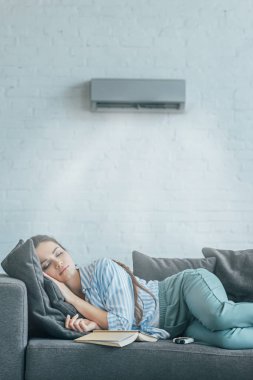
{"x": 64, "y": 359}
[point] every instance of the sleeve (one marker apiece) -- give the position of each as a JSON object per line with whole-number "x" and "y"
{"x": 116, "y": 290}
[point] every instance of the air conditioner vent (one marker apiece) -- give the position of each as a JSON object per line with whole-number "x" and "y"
{"x": 137, "y": 94}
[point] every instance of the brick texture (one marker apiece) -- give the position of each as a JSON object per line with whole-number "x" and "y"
{"x": 105, "y": 184}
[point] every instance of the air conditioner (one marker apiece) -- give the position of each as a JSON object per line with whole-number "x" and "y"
{"x": 137, "y": 95}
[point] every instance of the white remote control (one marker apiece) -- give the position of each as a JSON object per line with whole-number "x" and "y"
{"x": 183, "y": 340}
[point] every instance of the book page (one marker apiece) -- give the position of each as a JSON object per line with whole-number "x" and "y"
{"x": 107, "y": 336}
{"x": 142, "y": 337}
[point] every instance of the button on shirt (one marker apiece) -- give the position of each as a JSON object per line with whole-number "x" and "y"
{"x": 108, "y": 286}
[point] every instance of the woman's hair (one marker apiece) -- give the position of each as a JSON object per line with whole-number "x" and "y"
{"x": 138, "y": 310}
{"x": 37, "y": 239}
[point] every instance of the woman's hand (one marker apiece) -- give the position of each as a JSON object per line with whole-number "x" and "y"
{"x": 80, "y": 324}
{"x": 66, "y": 292}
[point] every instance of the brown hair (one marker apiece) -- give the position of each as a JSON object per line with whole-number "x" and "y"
{"x": 138, "y": 310}
{"x": 41, "y": 238}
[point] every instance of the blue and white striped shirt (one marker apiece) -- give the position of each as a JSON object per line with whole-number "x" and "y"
{"x": 108, "y": 286}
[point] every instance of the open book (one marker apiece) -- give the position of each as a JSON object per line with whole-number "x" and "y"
{"x": 115, "y": 338}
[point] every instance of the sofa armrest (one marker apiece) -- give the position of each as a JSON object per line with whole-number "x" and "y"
{"x": 13, "y": 328}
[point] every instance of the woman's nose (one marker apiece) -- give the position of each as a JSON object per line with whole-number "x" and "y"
{"x": 59, "y": 264}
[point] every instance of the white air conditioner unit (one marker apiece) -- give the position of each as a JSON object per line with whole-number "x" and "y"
{"x": 137, "y": 95}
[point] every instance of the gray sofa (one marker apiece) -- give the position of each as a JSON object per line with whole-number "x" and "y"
{"x": 52, "y": 359}
{"x": 44, "y": 349}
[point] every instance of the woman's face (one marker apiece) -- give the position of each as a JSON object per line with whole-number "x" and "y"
{"x": 55, "y": 261}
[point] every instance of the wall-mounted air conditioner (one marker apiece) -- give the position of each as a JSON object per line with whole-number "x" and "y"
{"x": 137, "y": 95}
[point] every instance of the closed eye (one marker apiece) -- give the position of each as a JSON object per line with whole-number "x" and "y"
{"x": 46, "y": 265}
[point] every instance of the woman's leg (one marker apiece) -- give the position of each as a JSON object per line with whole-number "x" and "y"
{"x": 207, "y": 300}
{"x": 232, "y": 339}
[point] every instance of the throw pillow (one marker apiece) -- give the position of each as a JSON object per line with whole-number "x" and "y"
{"x": 47, "y": 310}
{"x": 235, "y": 270}
{"x": 152, "y": 268}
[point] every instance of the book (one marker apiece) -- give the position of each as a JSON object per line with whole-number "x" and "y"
{"x": 115, "y": 338}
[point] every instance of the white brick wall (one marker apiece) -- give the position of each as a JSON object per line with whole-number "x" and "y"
{"x": 105, "y": 184}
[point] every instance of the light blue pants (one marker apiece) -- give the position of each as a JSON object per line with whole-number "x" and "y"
{"x": 194, "y": 303}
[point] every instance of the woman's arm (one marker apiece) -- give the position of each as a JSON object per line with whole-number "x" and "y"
{"x": 89, "y": 311}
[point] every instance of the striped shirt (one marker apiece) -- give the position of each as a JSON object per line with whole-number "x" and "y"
{"x": 108, "y": 286}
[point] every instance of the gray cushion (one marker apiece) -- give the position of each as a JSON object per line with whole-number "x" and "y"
{"x": 46, "y": 307}
{"x": 235, "y": 270}
{"x": 56, "y": 298}
{"x": 162, "y": 360}
{"x": 153, "y": 268}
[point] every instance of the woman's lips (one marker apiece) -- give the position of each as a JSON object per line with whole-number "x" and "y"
{"x": 63, "y": 270}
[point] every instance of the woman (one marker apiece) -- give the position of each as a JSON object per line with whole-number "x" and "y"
{"x": 192, "y": 302}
